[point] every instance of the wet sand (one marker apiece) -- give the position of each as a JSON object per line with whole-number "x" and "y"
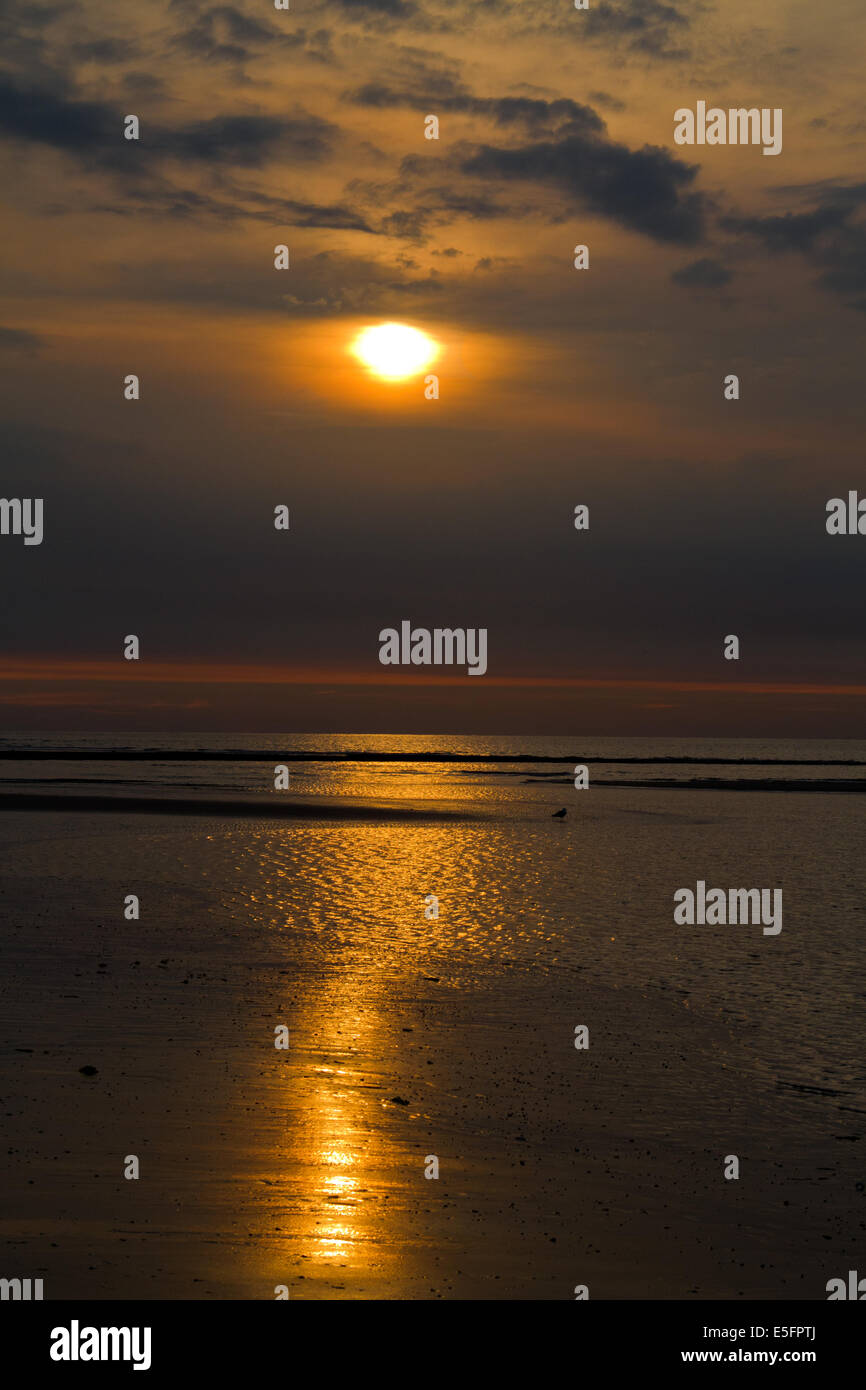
{"x": 260, "y": 807}
{"x": 261, "y": 1167}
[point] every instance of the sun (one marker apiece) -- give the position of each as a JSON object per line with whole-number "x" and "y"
{"x": 393, "y": 350}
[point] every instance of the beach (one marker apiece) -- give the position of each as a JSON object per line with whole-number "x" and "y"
{"x": 452, "y": 1037}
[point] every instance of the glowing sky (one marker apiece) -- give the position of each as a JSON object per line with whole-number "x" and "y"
{"x": 306, "y": 128}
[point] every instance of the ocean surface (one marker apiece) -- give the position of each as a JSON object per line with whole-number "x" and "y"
{"x": 532, "y": 889}
{"x": 507, "y": 776}
{"x": 705, "y": 1039}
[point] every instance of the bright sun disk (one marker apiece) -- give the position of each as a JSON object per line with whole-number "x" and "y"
{"x": 394, "y": 350}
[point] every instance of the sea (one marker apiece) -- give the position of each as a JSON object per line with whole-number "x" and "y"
{"x": 510, "y": 776}
{"x": 433, "y": 934}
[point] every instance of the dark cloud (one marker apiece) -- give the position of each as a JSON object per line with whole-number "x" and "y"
{"x": 429, "y": 206}
{"x": 410, "y": 223}
{"x": 646, "y": 190}
{"x": 143, "y": 84}
{"x": 826, "y": 235}
{"x": 790, "y": 231}
{"x": 226, "y": 34}
{"x": 161, "y": 198}
{"x": 443, "y": 202}
{"x": 94, "y": 130}
{"x": 257, "y": 205}
{"x": 396, "y": 8}
{"x": 19, "y": 340}
{"x": 246, "y": 140}
{"x": 335, "y": 284}
{"x": 243, "y": 27}
{"x": 844, "y": 265}
{"x": 645, "y": 26}
{"x": 704, "y": 274}
{"x": 444, "y": 95}
{"x": 24, "y": 32}
{"x": 53, "y": 117}
{"x": 26, "y": 13}
{"x": 104, "y": 50}
{"x": 318, "y": 46}
{"x": 605, "y": 99}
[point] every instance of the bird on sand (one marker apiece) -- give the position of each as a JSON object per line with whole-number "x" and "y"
{"x": 560, "y": 815}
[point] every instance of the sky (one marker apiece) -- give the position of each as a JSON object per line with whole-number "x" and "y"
{"x": 557, "y": 387}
